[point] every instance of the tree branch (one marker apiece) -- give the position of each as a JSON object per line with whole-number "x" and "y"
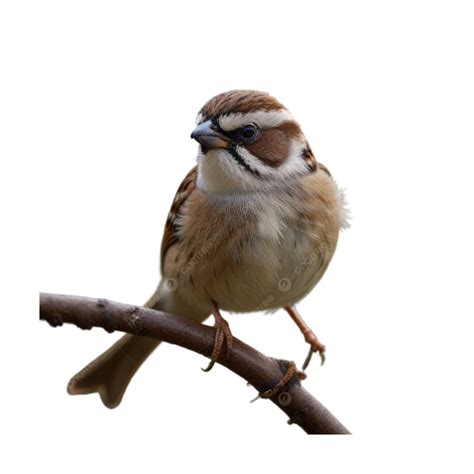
{"x": 263, "y": 372}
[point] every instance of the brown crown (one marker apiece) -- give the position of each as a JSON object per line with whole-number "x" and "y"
{"x": 242, "y": 101}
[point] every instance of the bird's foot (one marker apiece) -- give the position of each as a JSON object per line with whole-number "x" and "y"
{"x": 223, "y": 333}
{"x": 291, "y": 372}
{"x": 315, "y": 346}
{"x": 309, "y": 337}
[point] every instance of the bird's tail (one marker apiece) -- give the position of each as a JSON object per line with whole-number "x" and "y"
{"x": 111, "y": 372}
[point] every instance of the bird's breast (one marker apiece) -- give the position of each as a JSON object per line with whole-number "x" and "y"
{"x": 247, "y": 255}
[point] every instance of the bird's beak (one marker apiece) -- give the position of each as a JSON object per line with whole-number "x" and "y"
{"x": 208, "y": 137}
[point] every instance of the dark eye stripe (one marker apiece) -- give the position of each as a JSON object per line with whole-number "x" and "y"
{"x": 235, "y": 154}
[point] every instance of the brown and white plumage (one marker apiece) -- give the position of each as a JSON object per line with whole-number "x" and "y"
{"x": 253, "y": 226}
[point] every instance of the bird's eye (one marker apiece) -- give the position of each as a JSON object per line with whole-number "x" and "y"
{"x": 249, "y": 133}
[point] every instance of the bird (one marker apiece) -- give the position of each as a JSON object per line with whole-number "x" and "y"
{"x": 253, "y": 227}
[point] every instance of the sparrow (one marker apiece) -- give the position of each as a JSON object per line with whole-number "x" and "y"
{"x": 253, "y": 227}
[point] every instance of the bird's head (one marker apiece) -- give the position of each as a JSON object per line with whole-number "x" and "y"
{"x": 248, "y": 140}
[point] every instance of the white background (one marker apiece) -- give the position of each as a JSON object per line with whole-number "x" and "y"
{"x": 97, "y": 103}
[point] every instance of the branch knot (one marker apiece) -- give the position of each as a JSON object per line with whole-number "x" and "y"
{"x": 109, "y": 323}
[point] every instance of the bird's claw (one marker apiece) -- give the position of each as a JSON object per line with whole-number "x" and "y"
{"x": 315, "y": 347}
{"x": 222, "y": 334}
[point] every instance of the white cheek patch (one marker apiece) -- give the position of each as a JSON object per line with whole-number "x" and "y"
{"x": 292, "y": 166}
{"x": 220, "y": 173}
{"x": 263, "y": 119}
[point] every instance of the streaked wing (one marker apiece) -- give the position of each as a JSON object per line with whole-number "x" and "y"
{"x": 170, "y": 235}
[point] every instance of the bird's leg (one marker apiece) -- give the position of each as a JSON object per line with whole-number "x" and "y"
{"x": 222, "y": 334}
{"x": 309, "y": 336}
